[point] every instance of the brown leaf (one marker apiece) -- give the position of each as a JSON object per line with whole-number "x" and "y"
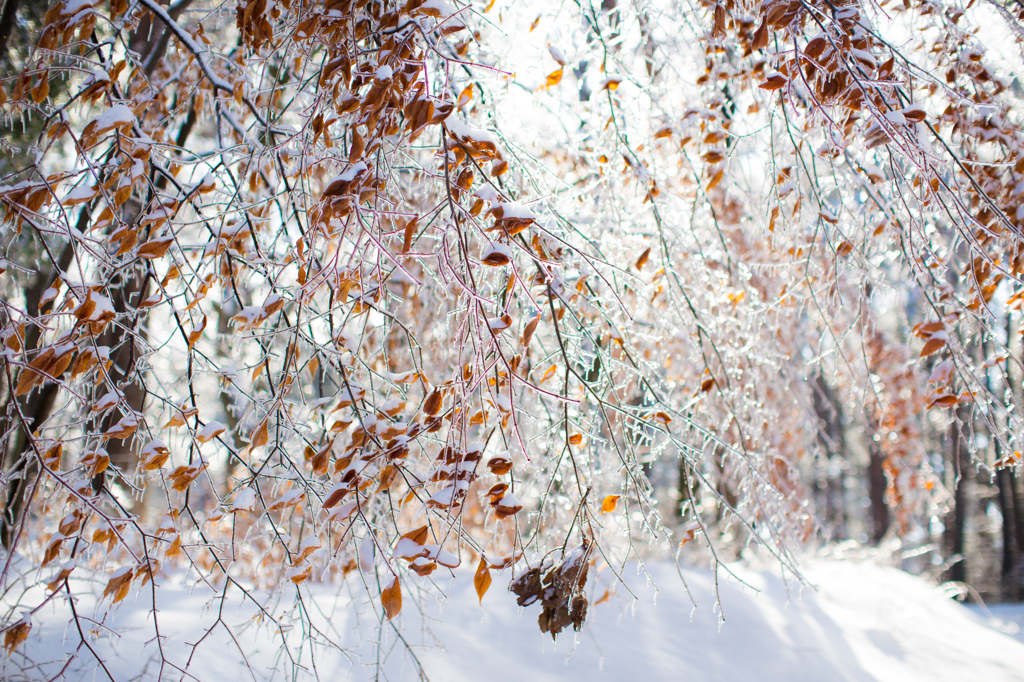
{"x": 42, "y": 89}
{"x": 15, "y": 636}
{"x": 196, "y": 334}
{"x": 776, "y": 82}
{"x": 432, "y": 405}
{"x": 419, "y": 535}
{"x": 715, "y": 179}
{"x": 931, "y": 346}
{"x": 926, "y": 329}
{"x": 391, "y": 598}
{"x": 118, "y": 586}
{"x": 642, "y": 260}
{"x": 155, "y": 248}
{"x": 410, "y": 232}
{"x": 356, "y": 152}
{"x": 259, "y": 435}
{"x": 499, "y": 465}
{"x": 175, "y": 548}
{"x": 531, "y": 327}
{"x": 482, "y": 579}
{"x": 553, "y": 79}
{"x": 942, "y": 400}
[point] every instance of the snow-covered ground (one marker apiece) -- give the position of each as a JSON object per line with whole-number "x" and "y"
{"x": 858, "y": 622}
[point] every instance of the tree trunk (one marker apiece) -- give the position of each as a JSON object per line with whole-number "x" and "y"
{"x": 1011, "y": 552}
{"x": 877, "y": 485}
{"x": 832, "y": 436}
{"x": 956, "y": 519}
{"x": 7, "y": 25}
{"x": 36, "y": 405}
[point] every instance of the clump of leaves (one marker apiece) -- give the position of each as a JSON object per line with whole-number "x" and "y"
{"x": 560, "y": 592}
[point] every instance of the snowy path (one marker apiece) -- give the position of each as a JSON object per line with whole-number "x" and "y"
{"x": 863, "y": 623}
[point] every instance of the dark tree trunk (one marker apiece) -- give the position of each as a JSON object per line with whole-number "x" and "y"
{"x": 124, "y": 354}
{"x": 686, "y": 490}
{"x": 1014, "y": 493}
{"x": 1011, "y": 551}
{"x": 36, "y": 405}
{"x": 832, "y": 436}
{"x": 7, "y": 25}
{"x": 877, "y": 486}
{"x": 956, "y": 519}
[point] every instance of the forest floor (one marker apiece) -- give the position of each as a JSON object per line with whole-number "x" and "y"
{"x": 853, "y": 621}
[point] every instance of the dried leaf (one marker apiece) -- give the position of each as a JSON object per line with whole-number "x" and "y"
{"x": 15, "y": 635}
{"x": 642, "y": 260}
{"x": 553, "y": 79}
{"x": 931, "y": 346}
{"x": 419, "y": 535}
{"x": 482, "y": 579}
{"x": 391, "y": 598}
{"x": 259, "y": 435}
{"x": 609, "y": 503}
{"x": 531, "y": 327}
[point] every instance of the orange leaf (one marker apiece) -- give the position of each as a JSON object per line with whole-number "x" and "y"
{"x": 391, "y": 598}
{"x": 717, "y": 178}
{"x": 690, "y": 532}
{"x": 196, "y": 333}
{"x": 482, "y": 579}
{"x": 259, "y": 435}
{"x": 553, "y": 79}
{"x": 549, "y": 373}
{"x": 531, "y": 327}
{"x": 419, "y": 536}
{"x": 609, "y": 503}
{"x": 119, "y": 585}
{"x": 575, "y": 439}
{"x": 15, "y": 636}
{"x": 776, "y": 82}
{"x": 931, "y": 346}
{"x": 642, "y": 260}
